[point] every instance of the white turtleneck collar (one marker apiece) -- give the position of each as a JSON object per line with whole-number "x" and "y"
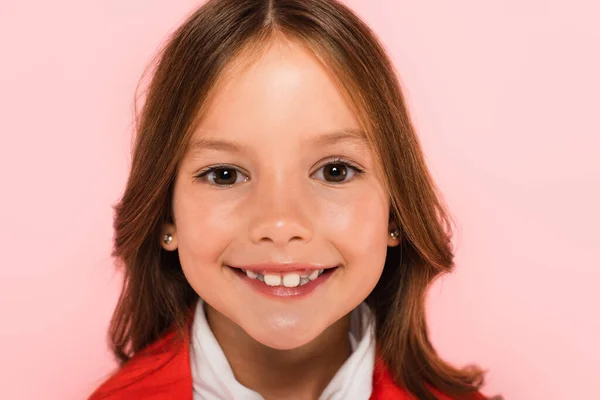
{"x": 213, "y": 378}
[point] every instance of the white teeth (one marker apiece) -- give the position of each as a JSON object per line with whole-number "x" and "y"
{"x": 304, "y": 281}
{"x": 315, "y": 274}
{"x": 272, "y": 280}
{"x": 291, "y": 280}
{"x": 288, "y": 280}
{"x": 251, "y": 274}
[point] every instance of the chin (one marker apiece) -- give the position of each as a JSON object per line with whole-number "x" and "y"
{"x": 281, "y": 334}
{"x": 283, "y": 343}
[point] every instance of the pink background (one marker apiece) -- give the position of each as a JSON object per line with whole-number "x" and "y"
{"x": 505, "y": 99}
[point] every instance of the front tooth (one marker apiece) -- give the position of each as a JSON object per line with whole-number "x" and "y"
{"x": 313, "y": 275}
{"x": 261, "y": 277}
{"x": 291, "y": 280}
{"x": 272, "y": 280}
{"x": 251, "y": 274}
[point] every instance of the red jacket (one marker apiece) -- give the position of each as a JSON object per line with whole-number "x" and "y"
{"x": 162, "y": 371}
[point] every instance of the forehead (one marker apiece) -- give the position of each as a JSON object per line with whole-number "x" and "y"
{"x": 284, "y": 92}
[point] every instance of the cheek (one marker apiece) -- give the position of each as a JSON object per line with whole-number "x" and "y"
{"x": 204, "y": 229}
{"x": 358, "y": 230}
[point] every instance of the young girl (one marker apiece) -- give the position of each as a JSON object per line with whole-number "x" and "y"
{"x": 279, "y": 229}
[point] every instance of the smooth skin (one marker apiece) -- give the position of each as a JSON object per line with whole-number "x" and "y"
{"x": 281, "y": 197}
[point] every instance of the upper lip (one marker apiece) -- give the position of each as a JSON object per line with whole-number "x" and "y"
{"x": 282, "y": 267}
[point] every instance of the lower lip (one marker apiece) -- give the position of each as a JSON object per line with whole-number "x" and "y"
{"x": 282, "y": 291}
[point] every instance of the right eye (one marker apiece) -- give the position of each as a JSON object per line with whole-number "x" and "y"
{"x": 225, "y": 176}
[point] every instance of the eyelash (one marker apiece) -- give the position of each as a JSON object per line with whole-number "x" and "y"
{"x": 338, "y": 161}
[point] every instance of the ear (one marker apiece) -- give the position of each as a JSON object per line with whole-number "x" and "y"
{"x": 168, "y": 229}
{"x": 391, "y": 241}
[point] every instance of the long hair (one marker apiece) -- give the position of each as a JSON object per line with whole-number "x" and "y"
{"x": 156, "y": 294}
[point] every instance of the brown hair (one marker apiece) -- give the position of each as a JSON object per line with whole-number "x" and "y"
{"x": 156, "y": 294}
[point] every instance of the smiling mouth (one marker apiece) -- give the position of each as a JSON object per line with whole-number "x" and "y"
{"x": 288, "y": 279}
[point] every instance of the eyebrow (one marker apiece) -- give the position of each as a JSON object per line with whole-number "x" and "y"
{"x": 351, "y": 135}
{"x": 344, "y": 135}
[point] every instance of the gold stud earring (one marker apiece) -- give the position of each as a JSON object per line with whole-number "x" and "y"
{"x": 395, "y": 234}
{"x": 168, "y": 238}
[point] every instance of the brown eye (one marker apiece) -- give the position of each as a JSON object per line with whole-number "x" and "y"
{"x": 338, "y": 172}
{"x": 222, "y": 176}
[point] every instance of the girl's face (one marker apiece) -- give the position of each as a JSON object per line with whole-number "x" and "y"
{"x": 277, "y": 134}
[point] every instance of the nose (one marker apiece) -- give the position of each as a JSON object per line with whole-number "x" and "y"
{"x": 278, "y": 214}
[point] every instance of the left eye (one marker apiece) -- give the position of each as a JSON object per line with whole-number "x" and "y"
{"x": 338, "y": 171}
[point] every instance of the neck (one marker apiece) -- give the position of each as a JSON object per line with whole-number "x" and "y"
{"x": 300, "y": 373}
